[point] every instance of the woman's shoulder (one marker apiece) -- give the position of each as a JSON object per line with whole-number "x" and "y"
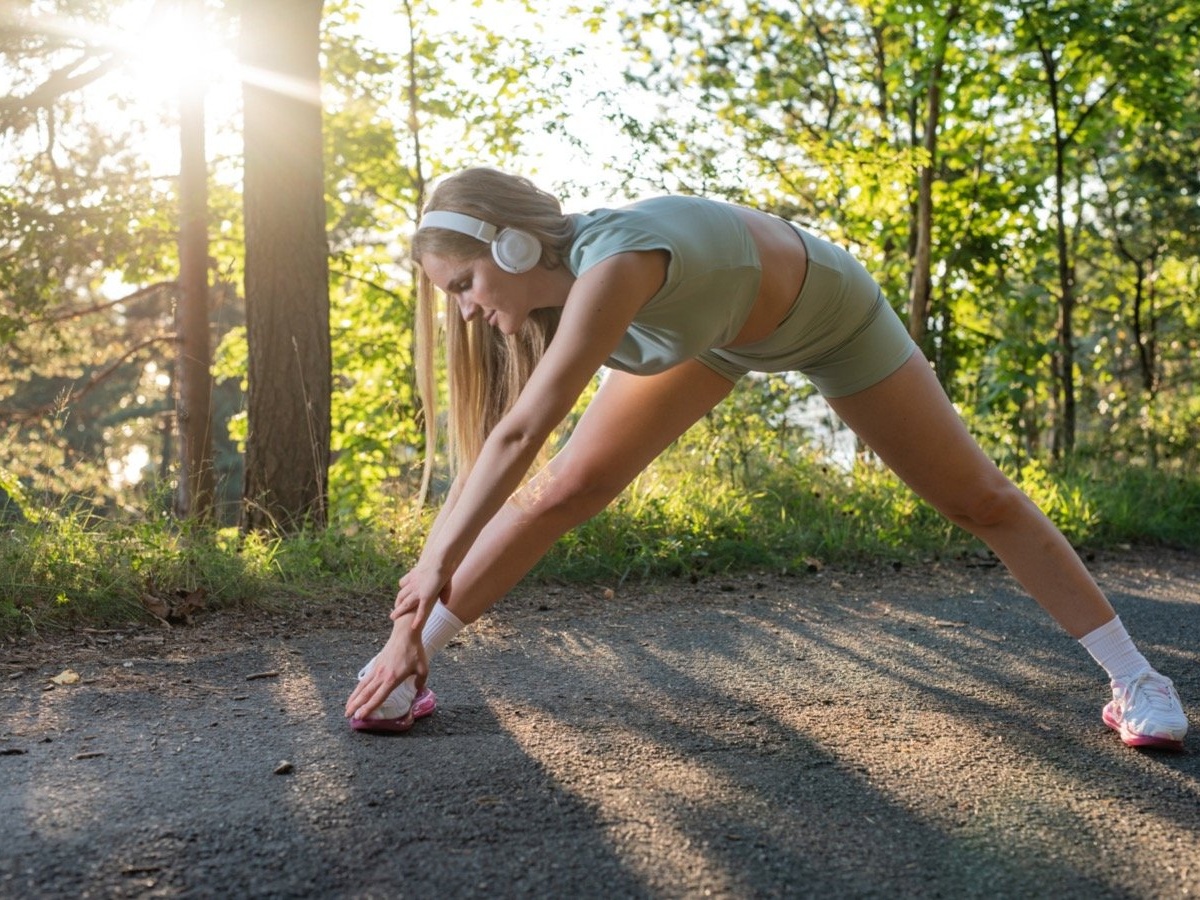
{"x": 669, "y": 222}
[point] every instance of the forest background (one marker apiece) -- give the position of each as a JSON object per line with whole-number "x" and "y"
{"x": 206, "y": 302}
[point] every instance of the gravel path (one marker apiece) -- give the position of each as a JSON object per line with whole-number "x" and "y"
{"x": 920, "y": 733}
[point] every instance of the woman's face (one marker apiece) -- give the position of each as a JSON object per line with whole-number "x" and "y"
{"x": 482, "y": 289}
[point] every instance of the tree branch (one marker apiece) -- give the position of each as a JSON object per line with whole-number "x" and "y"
{"x": 104, "y": 58}
{"x": 139, "y": 294}
{"x": 18, "y": 416}
{"x": 59, "y": 83}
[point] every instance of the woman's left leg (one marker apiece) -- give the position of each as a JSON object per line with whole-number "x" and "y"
{"x": 909, "y": 422}
{"x": 629, "y": 422}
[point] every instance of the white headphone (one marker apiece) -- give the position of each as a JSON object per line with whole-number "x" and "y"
{"x": 514, "y": 250}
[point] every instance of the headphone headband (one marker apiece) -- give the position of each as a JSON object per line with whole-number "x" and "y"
{"x": 514, "y": 250}
{"x": 463, "y": 224}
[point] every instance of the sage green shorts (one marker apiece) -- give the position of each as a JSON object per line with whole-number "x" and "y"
{"x": 840, "y": 333}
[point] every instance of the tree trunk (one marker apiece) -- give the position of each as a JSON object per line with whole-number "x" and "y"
{"x": 1064, "y": 354}
{"x": 286, "y": 278}
{"x": 421, "y": 332}
{"x": 918, "y": 301}
{"x": 1144, "y": 321}
{"x": 193, "y": 404}
{"x": 921, "y": 285}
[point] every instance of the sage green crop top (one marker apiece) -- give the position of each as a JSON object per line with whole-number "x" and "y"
{"x": 712, "y": 278}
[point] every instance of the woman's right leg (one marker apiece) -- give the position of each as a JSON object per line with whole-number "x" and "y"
{"x": 629, "y": 422}
{"x": 909, "y": 422}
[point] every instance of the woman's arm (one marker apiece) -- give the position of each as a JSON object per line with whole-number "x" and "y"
{"x": 598, "y": 310}
{"x": 629, "y": 422}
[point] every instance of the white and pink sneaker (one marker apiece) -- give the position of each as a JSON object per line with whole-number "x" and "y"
{"x": 1146, "y": 712}
{"x": 379, "y": 722}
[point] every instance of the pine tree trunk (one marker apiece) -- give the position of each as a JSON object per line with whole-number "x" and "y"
{"x": 193, "y": 404}
{"x": 286, "y": 278}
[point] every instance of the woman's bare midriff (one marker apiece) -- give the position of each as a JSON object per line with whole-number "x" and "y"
{"x": 784, "y": 264}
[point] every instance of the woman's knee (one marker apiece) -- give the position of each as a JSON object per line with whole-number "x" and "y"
{"x": 991, "y": 504}
{"x": 571, "y": 494}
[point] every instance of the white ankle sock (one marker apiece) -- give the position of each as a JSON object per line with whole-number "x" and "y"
{"x": 1111, "y": 646}
{"x": 440, "y": 628}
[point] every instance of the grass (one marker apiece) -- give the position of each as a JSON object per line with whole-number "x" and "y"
{"x": 71, "y": 569}
{"x": 684, "y": 516}
{"x": 673, "y": 523}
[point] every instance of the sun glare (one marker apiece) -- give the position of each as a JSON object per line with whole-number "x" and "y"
{"x": 163, "y": 44}
{"x": 174, "y": 48}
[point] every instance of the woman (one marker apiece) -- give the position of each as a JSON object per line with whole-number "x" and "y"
{"x": 679, "y": 296}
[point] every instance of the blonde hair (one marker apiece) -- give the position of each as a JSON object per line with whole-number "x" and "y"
{"x": 487, "y": 369}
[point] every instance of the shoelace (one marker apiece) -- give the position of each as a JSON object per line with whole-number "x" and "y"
{"x": 1154, "y": 688}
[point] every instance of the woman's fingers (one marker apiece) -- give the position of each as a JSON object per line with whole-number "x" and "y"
{"x": 367, "y": 697}
{"x": 405, "y": 603}
{"x": 373, "y": 689}
{"x": 424, "y": 608}
{"x": 360, "y": 692}
{"x": 367, "y": 704}
{"x": 401, "y": 657}
{"x": 412, "y": 603}
{"x": 419, "y": 590}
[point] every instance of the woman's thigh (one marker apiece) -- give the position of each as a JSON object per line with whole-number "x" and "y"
{"x": 909, "y": 422}
{"x": 630, "y": 421}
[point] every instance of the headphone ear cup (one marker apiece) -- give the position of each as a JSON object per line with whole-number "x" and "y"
{"x": 516, "y": 251}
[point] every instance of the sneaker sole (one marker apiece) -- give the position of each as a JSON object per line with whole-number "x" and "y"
{"x": 1129, "y": 739}
{"x": 424, "y": 705}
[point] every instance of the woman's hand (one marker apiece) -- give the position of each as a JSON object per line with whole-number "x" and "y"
{"x": 419, "y": 590}
{"x": 403, "y": 655}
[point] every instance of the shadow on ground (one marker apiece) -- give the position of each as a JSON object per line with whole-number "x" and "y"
{"x": 922, "y": 733}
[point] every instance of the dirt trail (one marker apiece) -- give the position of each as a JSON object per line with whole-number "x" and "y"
{"x": 927, "y": 732}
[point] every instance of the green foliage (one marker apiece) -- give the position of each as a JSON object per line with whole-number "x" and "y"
{"x": 13, "y": 502}
{"x": 1141, "y": 505}
{"x": 87, "y": 262}
{"x": 809, "y": 513}
{"x": 818, "y": 112}
{"x": 792, "y": 511}
{"x": 810, "y": 110}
